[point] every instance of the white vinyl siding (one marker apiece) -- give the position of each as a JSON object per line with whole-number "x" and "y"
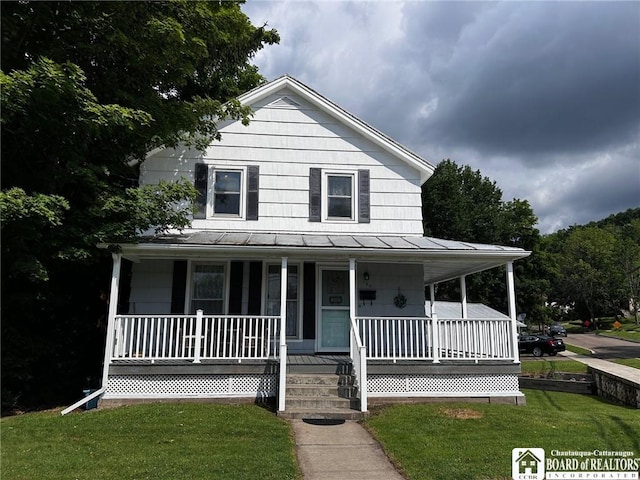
{"x": 151, "y": 283}
{"x": 285, "y": 142}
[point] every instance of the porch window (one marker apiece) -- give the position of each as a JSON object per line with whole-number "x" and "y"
{"x": 208, "y": 289}
{"x": 273, "y": 296}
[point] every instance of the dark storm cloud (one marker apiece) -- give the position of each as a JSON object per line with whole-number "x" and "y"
{"x": 542, "y": 97}
{"x": 539, "y": 77}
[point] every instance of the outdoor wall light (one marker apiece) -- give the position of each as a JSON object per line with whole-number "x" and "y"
{"x": 366, "y": 276}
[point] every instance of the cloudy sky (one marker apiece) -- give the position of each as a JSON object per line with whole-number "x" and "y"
{"x": 542, "y": 97}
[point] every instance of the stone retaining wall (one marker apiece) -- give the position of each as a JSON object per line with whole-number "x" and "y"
{"x": 614, "y": 388}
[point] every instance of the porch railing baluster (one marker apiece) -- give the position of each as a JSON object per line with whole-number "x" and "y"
{"x": 423, "y": 338}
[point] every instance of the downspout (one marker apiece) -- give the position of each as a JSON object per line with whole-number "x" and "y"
{"x": 108, "y": 348}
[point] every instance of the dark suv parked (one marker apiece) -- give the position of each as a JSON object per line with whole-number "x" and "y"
{"x": 540, "y": 344}
{"x": 557, "y": 330}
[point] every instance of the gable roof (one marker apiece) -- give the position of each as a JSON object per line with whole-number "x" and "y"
{"x": 341, "y": 115}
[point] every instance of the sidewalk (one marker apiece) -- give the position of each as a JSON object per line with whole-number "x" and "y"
{"x": 622, "y": 371}
{"x": 344, "y": 451}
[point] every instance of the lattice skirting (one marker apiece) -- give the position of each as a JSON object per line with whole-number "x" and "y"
{"x": 191, "y": 386}
{"x": 442, "y": 385}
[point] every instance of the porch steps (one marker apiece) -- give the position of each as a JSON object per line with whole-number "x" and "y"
{"x": 321, "y": 396}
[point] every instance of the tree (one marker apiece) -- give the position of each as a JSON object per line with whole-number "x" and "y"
{"x": 596, "y": 265}
{"x": 87, "y": 89}
{"x": 589, "y": 275}
{"x": 628, "y": 254}
{"x": 460, "y": 204}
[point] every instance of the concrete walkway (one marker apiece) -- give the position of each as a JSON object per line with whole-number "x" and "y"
{"x": 622, "y": 371}
{"x": 343, "y": 451}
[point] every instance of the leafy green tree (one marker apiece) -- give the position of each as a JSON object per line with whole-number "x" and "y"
{"x": 87, "y": 89}
{"x": 628, "y": 254}
{"x": 590, "y": 275}
{"x": 460, "y": 204}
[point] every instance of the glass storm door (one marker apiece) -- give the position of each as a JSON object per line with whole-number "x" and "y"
{"x": 333, "y": 331}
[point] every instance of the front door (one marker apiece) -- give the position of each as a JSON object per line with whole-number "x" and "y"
{"x": 333, "y": 327}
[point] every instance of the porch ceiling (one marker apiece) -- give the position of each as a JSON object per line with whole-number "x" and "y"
{"x": 442, "y": 259}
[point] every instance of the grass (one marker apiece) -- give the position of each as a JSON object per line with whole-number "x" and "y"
{"x": 633, "y": 335}
{"x": 159, "y": 441}
{"x": 474, "y": 441}
{"x": 543, "y": 367}
{"x": 629, "y": 362}
{"x": 576, "y": 349}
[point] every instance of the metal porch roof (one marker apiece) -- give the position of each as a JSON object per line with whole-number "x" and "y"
{"x": 442, "y": 259}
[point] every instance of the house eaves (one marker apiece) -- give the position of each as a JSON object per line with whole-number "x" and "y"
{"x": 324, "y": 104}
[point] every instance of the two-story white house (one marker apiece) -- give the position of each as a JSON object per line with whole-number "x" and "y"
{"x": 306, "y": 258}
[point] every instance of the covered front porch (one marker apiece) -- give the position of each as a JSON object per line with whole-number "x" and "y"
{"x": 423, "y": 354}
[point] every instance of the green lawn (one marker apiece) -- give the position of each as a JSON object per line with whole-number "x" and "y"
{"x": 542, "y": 367}
{"x": 629, "y": 362}
{"x": 469, "y": 441}
{"x": 576, "y": 349}
{"x": 160, "y": 441}
{"x": 633, "y": 335}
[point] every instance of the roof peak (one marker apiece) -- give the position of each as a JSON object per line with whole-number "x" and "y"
{"x": 323, "y": 103}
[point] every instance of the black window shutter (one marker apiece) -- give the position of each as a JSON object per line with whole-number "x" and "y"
{"x": 178, "y": 286}
{"x": 364, "y": 204}
{"x": 255, "y": 288}
{"x": 315, "y": 194}
{"x": 201, "y": 178}
{"x": 309, "y": 302}
{"x": 253, "y": 185}
{"x": 235, "y": 288}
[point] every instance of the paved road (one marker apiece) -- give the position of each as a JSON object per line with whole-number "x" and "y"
{"x": 604, "y": 347}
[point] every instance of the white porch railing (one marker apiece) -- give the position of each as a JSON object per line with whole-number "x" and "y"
{"x": 420, "y": 338}
{"x": 396, "y": 338}
{"x": 195, "y": 337}
{"x": 476, "y": 339}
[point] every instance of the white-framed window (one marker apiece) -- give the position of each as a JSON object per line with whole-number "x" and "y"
{"x": 227, "y": 197}
{"x": 207, "y": 286}
{"x": 226, "y": 192}
{"x": 273, "y": 296}
{"x": 340, "y": 195}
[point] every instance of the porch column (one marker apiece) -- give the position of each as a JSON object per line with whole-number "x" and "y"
{"x": 463, "y": 295}
{"x": 435, "y": 327}
{"x": 282, "y": 385}
{"x": 511, "y": 296}
{"x": 111, "y": 316}
{"x": 352, "y": 288}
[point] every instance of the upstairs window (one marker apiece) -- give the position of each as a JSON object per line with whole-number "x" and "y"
{"x": 227, "y": 192}
{"x": 339, "y": 196}
{"x": 340, "y": 200}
